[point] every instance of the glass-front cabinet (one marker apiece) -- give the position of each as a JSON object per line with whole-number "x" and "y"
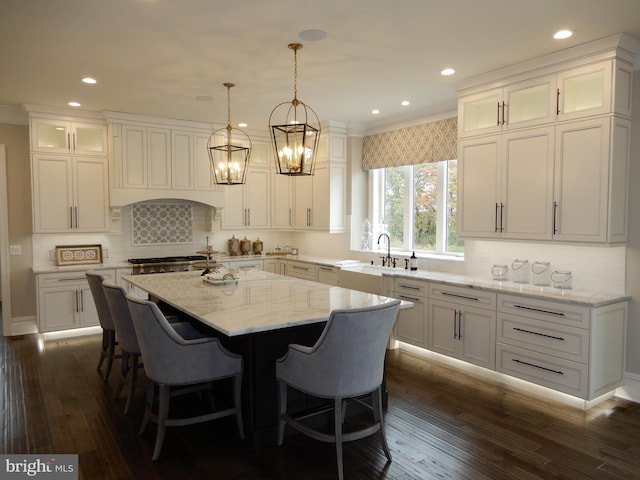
{"x": 60, "y": 136}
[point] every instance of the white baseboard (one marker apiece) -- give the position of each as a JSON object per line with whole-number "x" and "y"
{"x": 22, "y": 326}
{"x": 630, "y": 390}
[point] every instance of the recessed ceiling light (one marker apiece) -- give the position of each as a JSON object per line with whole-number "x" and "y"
{"x": 312, "y": 35}
{"x": 405, "y": 103}
{"x": 562, "y": 34}
{"x": 447, "y": 71}
{"x": 204, "y": 98}
{"x": 73, "y": 104}
{"x": 242, "y": 125}
{"x": 89, "y": 80}
{"x": 375, "y": 111}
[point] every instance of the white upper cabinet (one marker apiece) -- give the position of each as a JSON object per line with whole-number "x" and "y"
{"x": 518, "y": 105}
{"x": 593, "y": 89}
{"x": 547, "y": 158}
{"x": 320, "y": 200}
{"x": 70, "y": 194}
{"x": 61, "y": 136}
{"x": 506, "y": 185}
{"x": 247, "y": 206}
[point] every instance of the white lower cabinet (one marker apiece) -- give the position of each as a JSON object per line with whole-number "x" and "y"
{"x": 462, "y": 324}
{"x": 65, "y": 301}
{"x": 327, "y": 275}
{"x": 412, "y": 323}
{"x": 302, "y": 270}
{"x": 574, "y": 349}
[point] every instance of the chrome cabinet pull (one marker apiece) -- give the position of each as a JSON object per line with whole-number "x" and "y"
{"x": 76, "y": 212}
{"x": 410, "y": 287}
{"x": 504, "y": 105}
{"x": 501, "y": 217}
{"x": 538, "y": 366}
{"x": 495, "y": 222}
{"x": 70, "y": 217}
{"x": 498, "y": 115}
{"x": 558, "y": 101}
{"x": 459, "y": 324}
{"x": 411, "y": 299}
{"x": 536, "y": 333}
{"x": 555, "y": 217}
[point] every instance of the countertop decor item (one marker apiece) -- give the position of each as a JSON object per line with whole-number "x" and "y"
{"x": 258, "y": 246}
{"x": 229, "y": 161}
{"x": 295, "y": 130}
{"x": 234, "y": 246}
{"x": 78, "y": 254}
{"x": 245, "y": 246}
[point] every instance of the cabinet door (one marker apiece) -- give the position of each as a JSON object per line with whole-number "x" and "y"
{"x": 442, "y": 327}
{"x": 527, "y": 184}
{"x": 480, "y": 113}
{"x": 89, "y": 139}
{"x": 52, "y": 193}
{"x": 58, "y": 308}
{"x": 183, "y": 160}
{"x": 91, "y": 194}
{"x": 303, "y": 195}
{"x": 479, "y": 188}
{"x": 477, "y": 336}
{"x": 581, "y": 180}
{"x": 281, "y": 211}
{"x": 585, "y": 91}
{"x": 134, "y": 156}
{"x": 202, "y": 168}
{"x": 88, "y": 313}
{"x": 158, "y": 158}
{"x": 50, "y": 136}
{"x": 257, "y": 198}
{"x": 531, "y": 102}
{"x": 411, "y": 325}
{"x": 234, "y": 212}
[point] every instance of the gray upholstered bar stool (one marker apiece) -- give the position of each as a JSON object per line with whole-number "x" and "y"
{"x": 172, "y": 362}
{"x": 130, "y": 361}
{"x": 108, "y": 350}
{"x": 345, "y": 364}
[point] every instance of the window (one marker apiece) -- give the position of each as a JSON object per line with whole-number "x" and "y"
{"x": 416, "y": 205}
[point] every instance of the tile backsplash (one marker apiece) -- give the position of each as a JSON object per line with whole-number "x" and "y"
{"x": 161, "y": 223}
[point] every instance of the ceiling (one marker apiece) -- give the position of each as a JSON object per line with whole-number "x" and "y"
{"x": 155, "y": 57}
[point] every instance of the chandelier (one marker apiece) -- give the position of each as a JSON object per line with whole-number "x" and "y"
{"x": 229, "y": 150}
{"x": 295, "y": 130}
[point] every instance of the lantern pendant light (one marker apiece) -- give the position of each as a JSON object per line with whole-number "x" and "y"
{"x": 229, "y": 151}
{"x": 295, "y": 130}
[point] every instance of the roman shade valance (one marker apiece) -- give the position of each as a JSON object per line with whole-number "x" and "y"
{"x": 430, "y": 142}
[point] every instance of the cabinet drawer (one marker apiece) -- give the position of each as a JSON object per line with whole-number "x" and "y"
{"x": 550, "y": 311}
{"x": 411, "y": 288}
{"x": 551, "y": 338}
{"x": 69, "y": 278}
{"x": 552, "y": 372}
{"x": 462, "y": 295}
{"x": 304, "y": 271}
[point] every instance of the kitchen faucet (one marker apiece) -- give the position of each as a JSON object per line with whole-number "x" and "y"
{"x": 386, "y": 260}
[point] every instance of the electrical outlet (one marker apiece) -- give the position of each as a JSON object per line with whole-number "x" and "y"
{"x": 105, "y": 253}
{"x": 483, "y": 256}
{"x": 15, "y": 249}
{"x": 52, "y": 254}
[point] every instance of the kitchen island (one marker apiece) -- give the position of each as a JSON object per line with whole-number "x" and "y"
{"x": 258, "y": 317}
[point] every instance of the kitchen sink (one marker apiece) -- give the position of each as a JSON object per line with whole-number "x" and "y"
{"x": 365, "y": 278}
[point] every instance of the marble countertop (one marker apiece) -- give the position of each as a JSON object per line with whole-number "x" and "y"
{"x": 579, "y": 297}
{"x": 260, "y": 301}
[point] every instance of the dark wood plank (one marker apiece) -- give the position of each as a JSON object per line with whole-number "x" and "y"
{"x": 441, "y": 423}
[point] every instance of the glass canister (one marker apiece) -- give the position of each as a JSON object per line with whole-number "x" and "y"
{"x": 541, "y": 273}
{"x": 500, "y": 272}
{"x": 520, "y": 271}
{"x": 562, "y": 279}
{"x": 245, "y": 246}
{"x": 234, "y": 246}
{"x": 258, "y": 246}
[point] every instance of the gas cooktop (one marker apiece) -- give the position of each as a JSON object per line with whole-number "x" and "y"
{"x": 165, "y": 260}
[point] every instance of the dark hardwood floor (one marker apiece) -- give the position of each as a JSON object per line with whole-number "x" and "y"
{"x": 441, "y": 424}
